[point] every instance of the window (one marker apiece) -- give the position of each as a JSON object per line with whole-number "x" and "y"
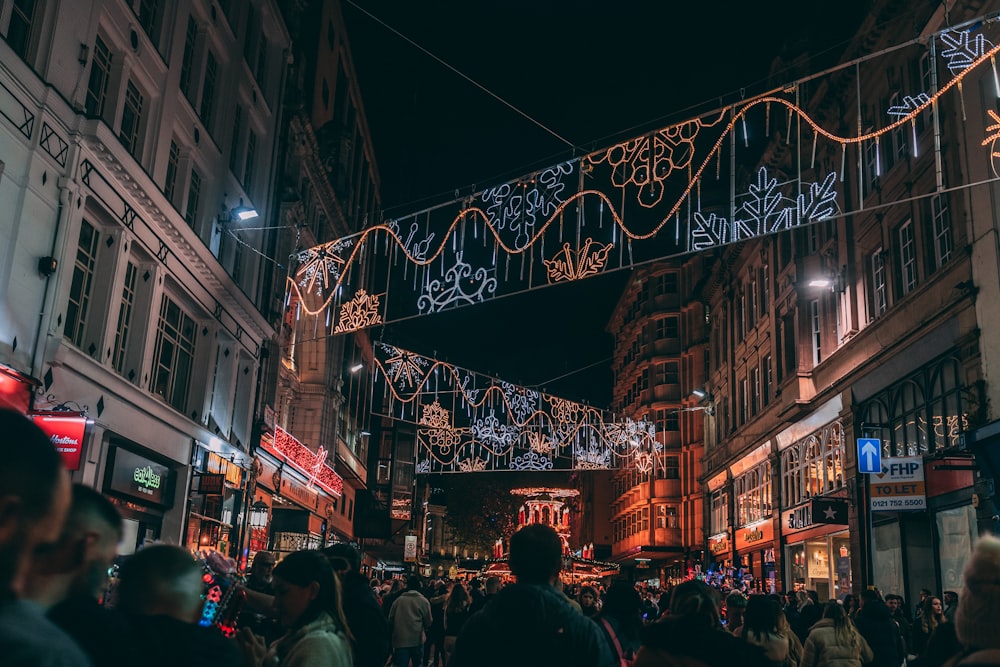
{"x": 765, "y": 295}
{"x": 767, "y": 378}
{"x": 80, "y": 288}
{"x": 719, "y": 517}
{"x": 208, "y": 90}
{"x": 667, "y": 372}
{"x": 100, "y": 72}
{"x": 754, "y": 390}
{"x": 248, "y": 164}
{"x": 816, "y": 332}
{"x": 173, "y": 355}
{"x": 752, "y": 490}
{"x": 814, "y": 465}
{"x": 942, "y": 229}
{"x": 261, "y": 70}
{"x": 754, "y": 299}
{"x": 150, "y": 15}
{"x": 125, "y": 309}
{"x": 666, "y": 327}
{"x": 131, "y": 120}
{"x": 187, "y": 59}
{"x": 22, "y": 21}
{"x": 668, "y": 283}
{"x": 907, "y": 257}
{"x": 671, "y": 467}
{"x": 194, "y": 194}
{"x": 879, "y": 293}
{"x": 744, "y": 401}
{"x": 170, "y": 180}
{"x": 872, "y": 167}
{"x": 234, "y": 146}
{"x": 899, "y": 148}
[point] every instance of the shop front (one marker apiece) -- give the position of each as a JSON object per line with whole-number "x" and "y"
{"x": 720, "y": 564}
{"x": 755, "y": 555}
{"x": 300, "y": 493}
{"x": 215, "y": 503}
{"x": 142, "y": 486}
{"x": 16, "y": 389}
{"x": 817, "y": 552}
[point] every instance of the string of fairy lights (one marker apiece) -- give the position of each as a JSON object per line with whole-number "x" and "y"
{"x": 651, "y": 197}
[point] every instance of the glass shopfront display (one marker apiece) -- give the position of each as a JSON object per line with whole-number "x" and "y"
{"x": 822, "y": 564}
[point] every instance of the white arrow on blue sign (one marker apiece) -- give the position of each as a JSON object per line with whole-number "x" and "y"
{"x": 869, "y": 455}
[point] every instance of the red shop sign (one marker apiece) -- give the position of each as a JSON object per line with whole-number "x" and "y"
{"x": 65, "y": 430}
{"x": 311, "y": 464}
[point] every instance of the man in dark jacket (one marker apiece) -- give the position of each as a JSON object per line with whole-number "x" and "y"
{"x": 531, "y": 623}
{"x": 364, "y": 614}
{"x": 874, "y": 622}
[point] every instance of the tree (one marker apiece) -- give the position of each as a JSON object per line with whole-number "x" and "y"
{"x": 480, "y": 511}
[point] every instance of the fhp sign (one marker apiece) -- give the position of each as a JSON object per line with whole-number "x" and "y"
{"x": 900, "y": 486}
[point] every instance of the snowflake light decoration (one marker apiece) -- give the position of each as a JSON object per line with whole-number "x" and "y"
{"x": 489, "y": 431}
{"x": 521, "y": 402}
{"x": 404, "y": 367}
{"x": 360, "y": 312}
{"x": 539, "y": 444}
{"x": 474, "y": 464}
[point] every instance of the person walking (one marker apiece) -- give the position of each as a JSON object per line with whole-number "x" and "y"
{"x": 930, "y": 618}
{"x": 760, "y": 628}
{"x": 979, "y": 606}
{"x": 409, "y": 620}
{"x": 457, "y": 611}
{"x": 306, "y": 602}
{"x": 531, "y": 623}
{"x": 361, "y": 608}
{"x": 874, "y": 622}
{"x": 834, "y": 641}
{"x": 621, "y": 619}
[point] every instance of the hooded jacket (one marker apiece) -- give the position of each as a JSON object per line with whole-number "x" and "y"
{"x": 685, "y": 641}
{"x": 530, "y": 625}
{"x": 823, "y": 648}
{"x": 318, "y": 643}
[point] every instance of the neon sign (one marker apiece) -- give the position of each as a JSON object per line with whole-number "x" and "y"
{"x": 146, "y": 478}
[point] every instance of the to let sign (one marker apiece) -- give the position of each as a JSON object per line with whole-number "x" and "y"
{"x": 900, "y": 486}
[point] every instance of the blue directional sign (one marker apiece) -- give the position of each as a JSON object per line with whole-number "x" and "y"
{"x": 869, "y": 455}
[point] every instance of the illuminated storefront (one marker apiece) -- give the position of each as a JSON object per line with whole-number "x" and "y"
{"x": 143, "y": 489}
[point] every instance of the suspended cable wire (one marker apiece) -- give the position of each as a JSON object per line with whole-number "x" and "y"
{"x": 461, "y": 74}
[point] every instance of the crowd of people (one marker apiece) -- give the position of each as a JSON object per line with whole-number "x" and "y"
{"x": 315, "y": 608}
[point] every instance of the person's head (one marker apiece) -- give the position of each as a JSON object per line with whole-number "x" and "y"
{"x": 414, "y": 583}
{"x": 850, "y": 602}
{"x": 869, "y": 596}
{"x": 161, "y": 579}
{"x": 735, "y": 605}
{"x": 535, "y": 554}
{"x": 304, "y": 588}
{"x": 841, "y": 621}
{"x": 78, "y": 563}
{"x": 458, "y": 598}
{"x": 760, "y": 616}
{"x": 979, "y": 605}
{"x": 588, "y": 597}
{"x": 343, "y": 557}
{"x": 263, "y": 566}
{"x": 623, "y": 602}
{"x": 949, "y": 598}
{"x": 697, "y": 600}
{"x": 894, "y": 602}
{"x": 34, "y": 497}
{"x": 492, "y": 585}
{"x": 924, "y": 594}
{"x": 802, "y": 599}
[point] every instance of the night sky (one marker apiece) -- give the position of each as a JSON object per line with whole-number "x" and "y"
{"x": 593, "y": 72}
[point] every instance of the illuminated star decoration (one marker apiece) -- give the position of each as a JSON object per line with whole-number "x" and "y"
{"x": 320, "y": 266}
{"x": 404, "y": 367}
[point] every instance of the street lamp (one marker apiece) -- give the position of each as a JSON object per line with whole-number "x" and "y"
{"x": 258, "y": 514}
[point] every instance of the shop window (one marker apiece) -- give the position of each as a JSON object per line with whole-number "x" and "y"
{"x": 814, "y": 465}
{"x": 888, "y": 558}
{"x": 957, "y": 533}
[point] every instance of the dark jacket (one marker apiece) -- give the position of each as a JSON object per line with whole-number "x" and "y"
{"x": 685, "y": 641}
{"x": 103, "y": 634}
{"x": 366, "y": 621}
{"x": 530, "y": 625}
{"x": 809, "y": 616}
{"x": 875, "y": 624}
{"x": 167, "y": 642}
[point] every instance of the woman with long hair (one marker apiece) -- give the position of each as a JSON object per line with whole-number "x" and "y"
{"x": 621, "y": 620}
{"x": 931, "y": 616}
{"x": 457, "y": 610}
{"x": 760, "y": 628}
{"x": 794, "y": 643}
{"x": 834, "y": 642}
{"x": 589, "y": 602}
{"x": 306, "y": 603}
{"x": 851, "y": 605}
